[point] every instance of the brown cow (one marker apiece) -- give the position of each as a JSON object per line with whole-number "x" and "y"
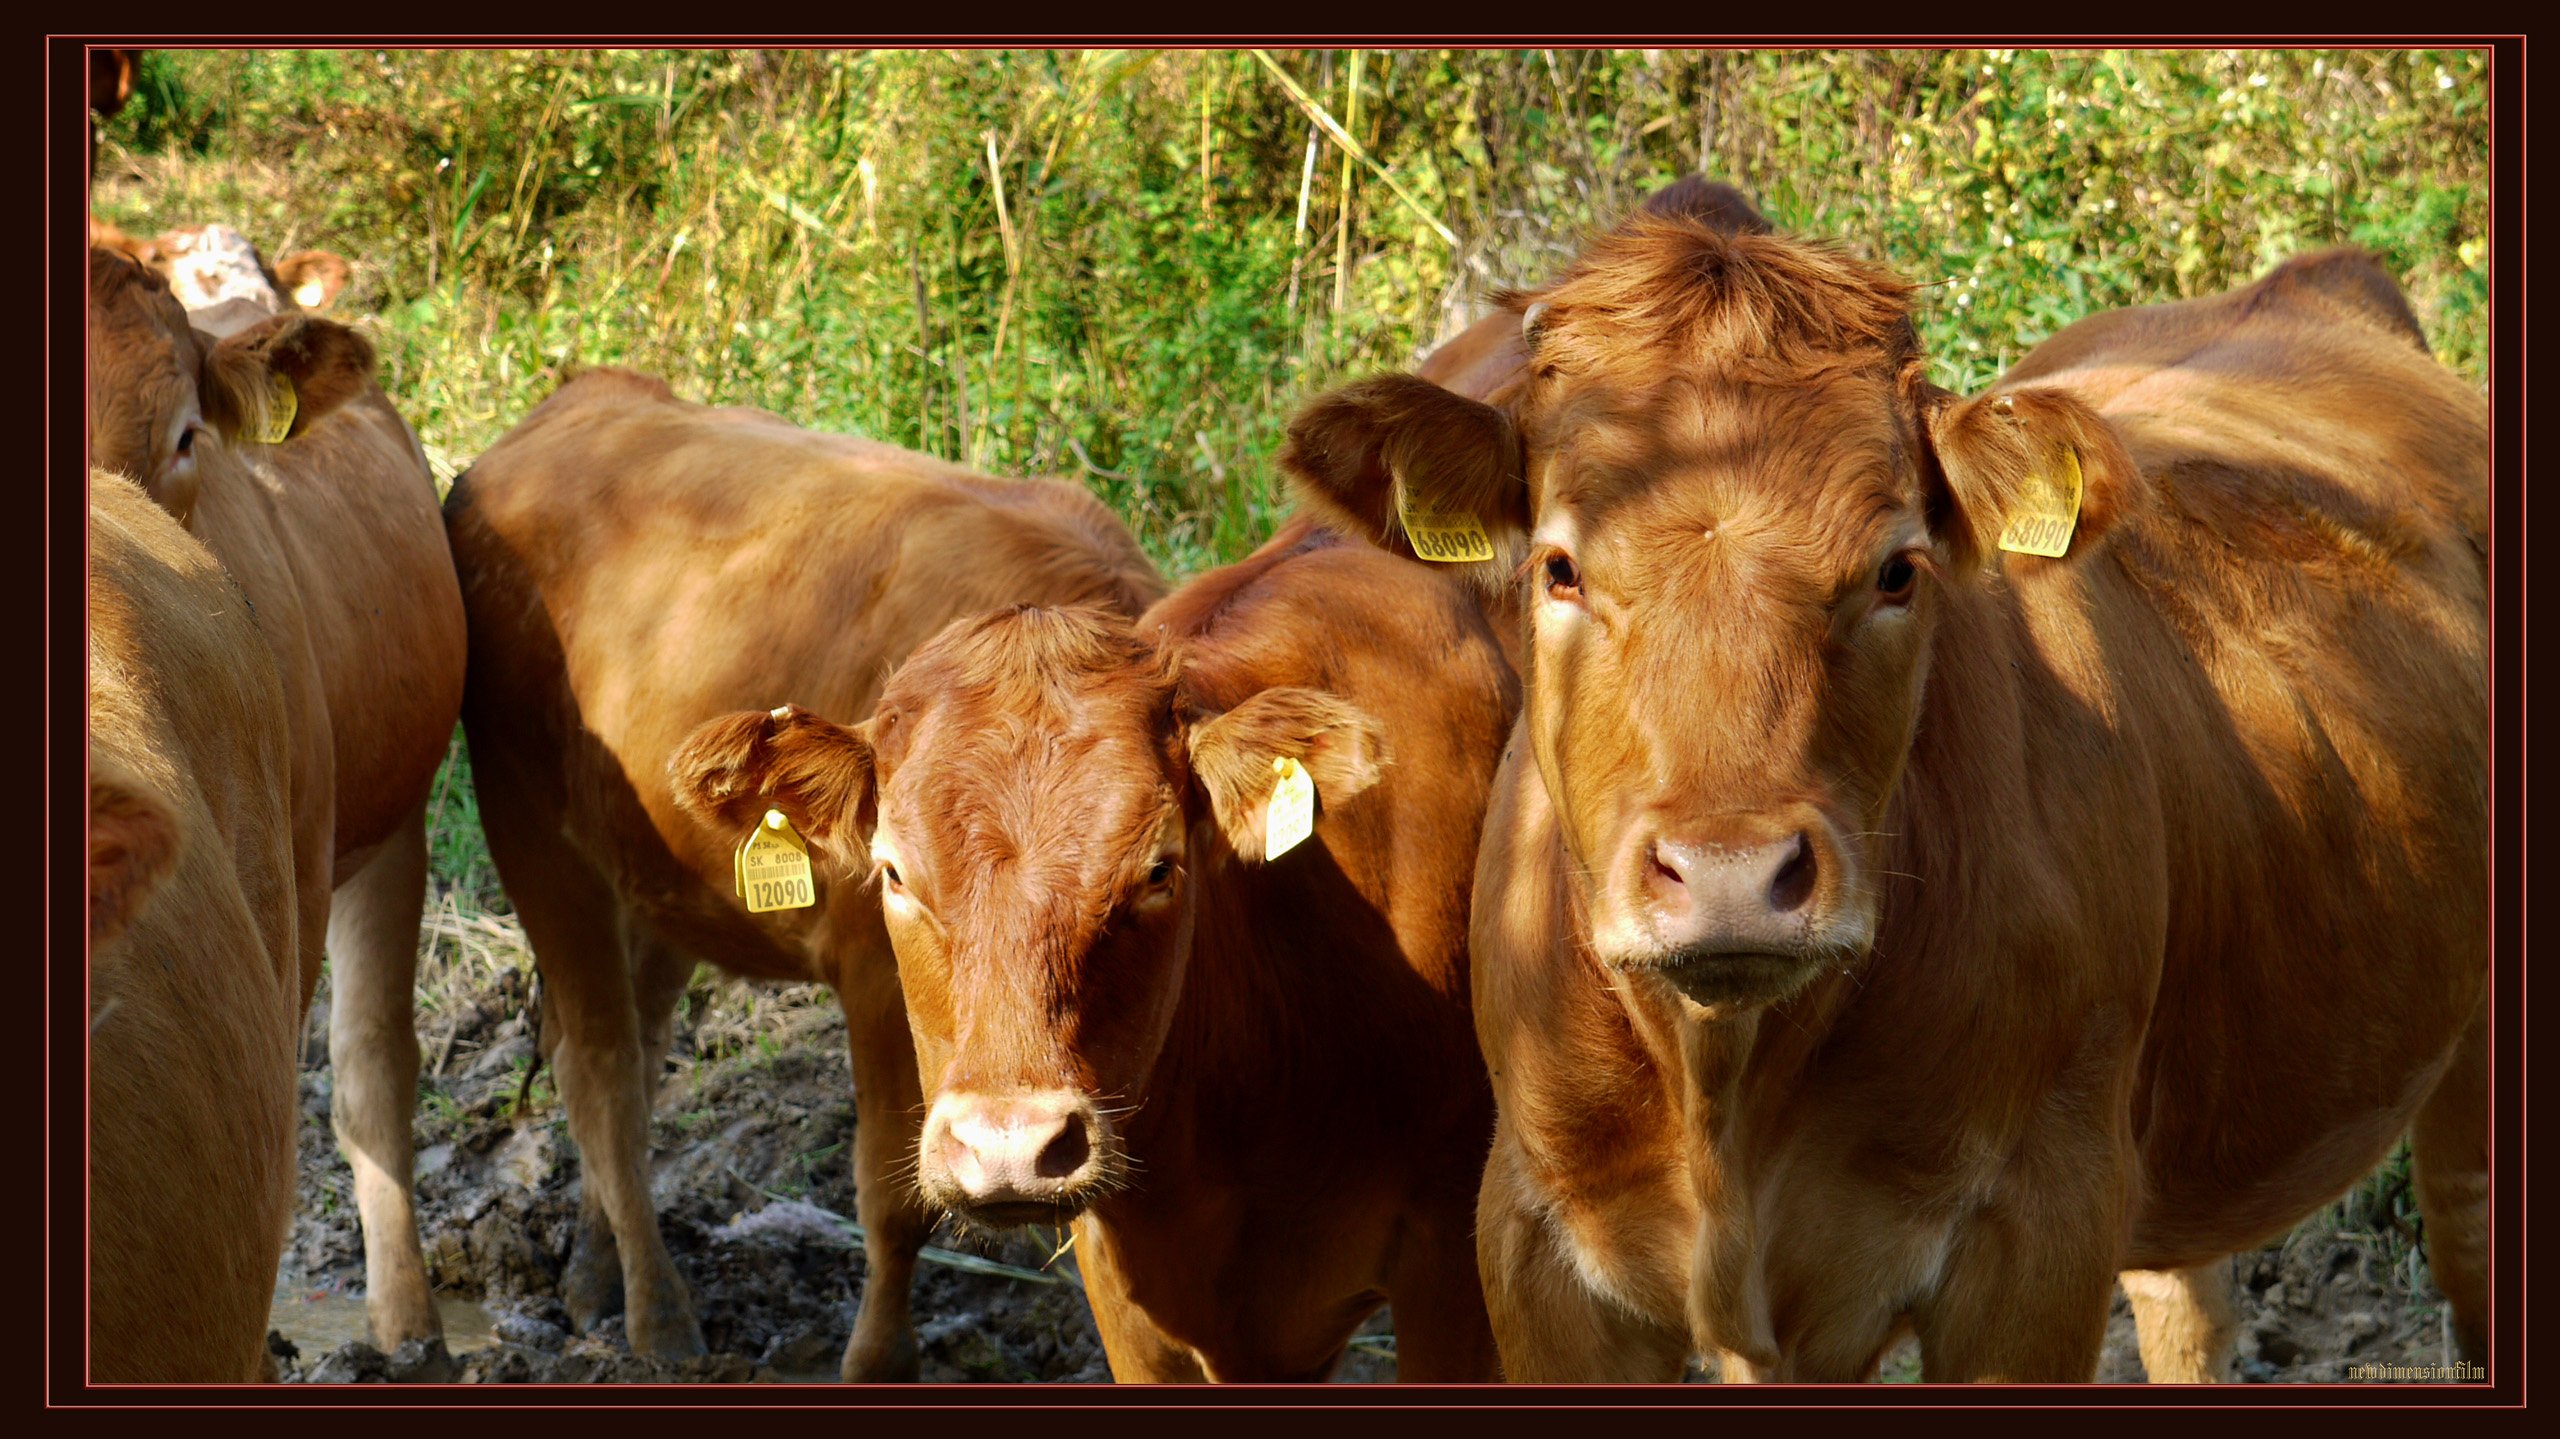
{"x": 633, "y": 566}
{"x": 1878, "y": 930}
{"x": 335, "y": 537}
{"x": 194, "y": 979}
{"x": 214, "y": 266}
{"x": 1252, "y": 1086}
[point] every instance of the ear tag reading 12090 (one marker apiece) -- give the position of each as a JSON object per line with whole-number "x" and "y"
{"x": 2048, "y": 510}
{"x": 1291, "y": 816}
{"x": 1438, "y": 535}
{"x": 773, "y": 868}
{"x": 282, "y": 402}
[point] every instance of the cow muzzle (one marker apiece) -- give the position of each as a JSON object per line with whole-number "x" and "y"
{"x": 1742, "y": 914}
{"x": 1001, "y": 1160}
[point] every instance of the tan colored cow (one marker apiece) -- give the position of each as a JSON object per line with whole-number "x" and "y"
{"x": 334, "y": 536}
{"x": 1880, "y": 928}
{"x": 635, "y": 565}
{"x": 194, "y": 977}
{"x": 1249, "y": 1080}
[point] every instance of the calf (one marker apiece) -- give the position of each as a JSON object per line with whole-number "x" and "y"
{"x": 193, "y": 976}
{"x": 275, "y": 448}
{"x": 1247, "y": 1078}
{"x": 633, "y": 566}
{"x": 1957, "y": 849}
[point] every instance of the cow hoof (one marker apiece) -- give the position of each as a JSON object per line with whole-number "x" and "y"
{"x": 591, "y": 1289}
{"x": 894, "y": 1362}
{"x": 396, "y": 1324}
{"x": 676, "y": 1336}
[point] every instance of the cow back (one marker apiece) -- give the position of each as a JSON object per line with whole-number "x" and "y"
{"x": 633, "y": 565}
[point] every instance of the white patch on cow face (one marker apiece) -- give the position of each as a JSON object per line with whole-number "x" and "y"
{"x": 212, "y": 264}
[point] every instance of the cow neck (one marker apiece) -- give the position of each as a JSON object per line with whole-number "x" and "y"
{"x": 1244, "y": 1029}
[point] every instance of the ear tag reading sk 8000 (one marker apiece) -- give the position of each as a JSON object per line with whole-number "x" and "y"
{"x": 2048, "y": 509}
{"x": 773, "y": 868}
{"x": 282, "y": 403}
{"x": 1447, "y": 537}
{"x": 1292, "y": 813}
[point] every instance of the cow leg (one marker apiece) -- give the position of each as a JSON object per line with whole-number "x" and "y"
{"x": 1552, "y": 1326}
{"x": 1442, "y": 1332}
{"x": 573, "y": 921}
{"x": 2023, "y": 1295}
{"x": 888, "y": 1104}
{"x": 373, "y": 1062}
{"x": 2185, "y": 1321}
{"x": 659, "y": 976}
{"x": 1139, "y": 1352}
{"x": 2450, "y": 1157}
{"x": 591, "y": 1283}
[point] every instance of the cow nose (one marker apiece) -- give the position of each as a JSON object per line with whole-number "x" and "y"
{"x": 1010, "y": 1156}
{"x": 1732, "y": 897}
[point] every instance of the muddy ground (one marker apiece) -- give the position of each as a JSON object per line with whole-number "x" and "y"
{"x": 755, "y": 1190}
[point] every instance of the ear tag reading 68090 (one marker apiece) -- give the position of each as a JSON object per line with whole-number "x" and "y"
{"x": 1446, "y": 536}
{"x": 773, "y": 868}
{"x": 282, "y": 403}
{"x": 1291, "y": 816}
{"x": 2048, "y": 509}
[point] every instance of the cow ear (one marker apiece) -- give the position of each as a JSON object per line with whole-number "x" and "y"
{"x": 326, "y": 363}
{"x": 1233, "y": 756}
{"x": 110, "y": 79}
{"x": 1387, "y": 457}
{"x": 313, "y": 277}
{"x": 133, "y": 845}
{"x": 2000, "y": 468}
{"x": 729, "y": 771}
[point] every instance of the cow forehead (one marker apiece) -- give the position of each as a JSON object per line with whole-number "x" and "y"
{"x": 985, "y": 784}
{"x": 1723, "y": 470}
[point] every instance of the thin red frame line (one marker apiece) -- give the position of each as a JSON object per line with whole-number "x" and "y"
{"x": 2524, "y": 502}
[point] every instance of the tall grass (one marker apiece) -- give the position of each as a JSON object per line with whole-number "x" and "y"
{"x": 1129, "y": 265}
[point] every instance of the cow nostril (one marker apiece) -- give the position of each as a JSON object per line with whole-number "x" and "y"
{"x": 1793, "y": 883}
{"x": 1665, "y": 870}
{"x": 1066, "y": 1154}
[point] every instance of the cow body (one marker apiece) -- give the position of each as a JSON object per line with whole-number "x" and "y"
{"x": 1878, "y": 932}
{"x": 1249, "y": 1081}
{"x": 632, "y": 566}
{"x": 334, "y": 536}
{"x": 193, "y": 971}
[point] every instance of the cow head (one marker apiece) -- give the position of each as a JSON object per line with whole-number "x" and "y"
{"x": 1738, "y": 510}
{"x": 1039, "y": 799}
{"x": 170, "y": 406}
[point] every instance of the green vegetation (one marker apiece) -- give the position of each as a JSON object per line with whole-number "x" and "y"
{"x": 1124, "y": 265}
{"x": 1129, "y": 266}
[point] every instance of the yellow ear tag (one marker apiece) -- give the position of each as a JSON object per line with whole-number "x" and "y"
{"x": 281, "y": 406}
{"x": 1291, "y": 815}
{"x": 2048, "y": 510}
{"x": 773, "y": 868}
{"x": 1439, "y": 535}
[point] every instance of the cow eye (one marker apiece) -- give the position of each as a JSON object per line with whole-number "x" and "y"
{"x": 186, "y": 442}
{"x": 889, "y": 876}
{"x": 1894, "y": 579}
{"x": 1160, "y": 873}
{"x": 1564, "y": 582}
